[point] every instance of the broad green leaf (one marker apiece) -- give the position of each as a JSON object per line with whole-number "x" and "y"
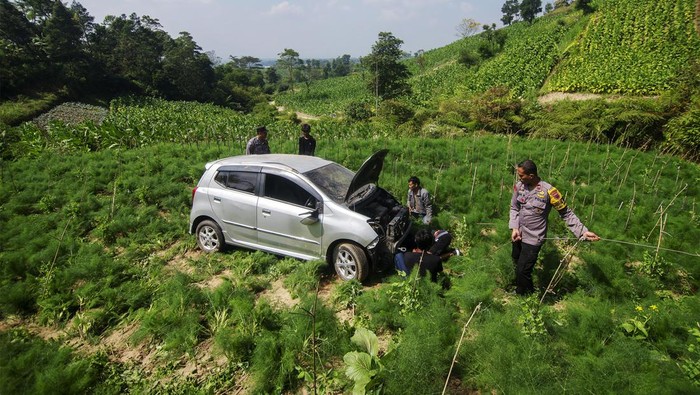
{"x": 367, "y": 340}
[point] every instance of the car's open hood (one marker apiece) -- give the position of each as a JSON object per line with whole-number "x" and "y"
{"x": 368, "y": 173}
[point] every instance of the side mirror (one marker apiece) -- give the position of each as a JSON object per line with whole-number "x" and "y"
{"x": 311, "y": 217}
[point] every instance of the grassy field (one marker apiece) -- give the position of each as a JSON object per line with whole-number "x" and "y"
{"x": 103, "y": 290}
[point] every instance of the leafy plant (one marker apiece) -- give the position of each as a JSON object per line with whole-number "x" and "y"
{"x": 637, "y": 327}
{"x": 363, "y": 366}
{"x": 691, "y": 365}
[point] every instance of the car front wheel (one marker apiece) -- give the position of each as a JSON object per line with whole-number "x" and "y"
{"x": 209, "y": 236}
{"x": 350, "y": 262}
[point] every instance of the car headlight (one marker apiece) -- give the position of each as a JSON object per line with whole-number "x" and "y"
{"x": 373, "y": 244}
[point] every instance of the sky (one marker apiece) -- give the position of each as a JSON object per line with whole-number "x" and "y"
{"x": 316, "y": 29}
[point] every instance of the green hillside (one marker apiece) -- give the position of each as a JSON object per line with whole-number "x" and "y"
{"x": 643, "y": 55}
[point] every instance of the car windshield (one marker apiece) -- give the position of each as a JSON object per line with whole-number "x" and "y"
{"x": 333, "y": 179}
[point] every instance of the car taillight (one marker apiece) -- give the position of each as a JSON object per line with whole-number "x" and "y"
{"x": 193, "y": 192}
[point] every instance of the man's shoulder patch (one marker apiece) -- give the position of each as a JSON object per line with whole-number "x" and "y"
{"x": 556, "y": 199}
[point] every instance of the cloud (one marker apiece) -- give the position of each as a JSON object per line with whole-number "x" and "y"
{"x": 396, "y": 10}
{"x": 285, "y": 8}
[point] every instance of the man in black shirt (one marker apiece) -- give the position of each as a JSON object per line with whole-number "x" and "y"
{"x": 307, "y": 144}
{"x": 420, "y": 256}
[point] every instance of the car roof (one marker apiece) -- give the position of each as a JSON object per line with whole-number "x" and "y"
{"x": 300, "y": 163}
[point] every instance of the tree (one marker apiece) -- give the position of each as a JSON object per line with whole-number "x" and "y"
{"x": 130, "y": 50}
{"x": 246, "y": 62}
{"x": 61, "y": 41}
{"x": 187, "y": 72}
{"x": 468, "y": 27}
{"x": 548, "y": 8}
{"x": 529, "y": 9}
{"x": 584, "y": 5}
{"x": 289, "y": 61}
{"x": 18, "y": 60}
{"x": 511, "y": 11}
{"x": 495, "y": 39}
{"x": 389, "y": 76}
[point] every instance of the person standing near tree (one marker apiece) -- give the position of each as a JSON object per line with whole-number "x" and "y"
{"x": 258, "y": 145}
{"x": 530, "y": 205}
{"x": 307, "y": 144}
{"x": 418, "y": 201}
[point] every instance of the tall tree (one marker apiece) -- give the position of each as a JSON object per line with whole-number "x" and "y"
{"x": 389, "y": 76}
{"x": 529, "y": 9}
{"x": 130, "y": 48}
{"x": 18, "y": 63}
{"x": 468, "y": 27}
{"x": 290, "y": 62}
{"x": 187, "y": 72}
{"x": 510, "y": 10}
{"x": 63, "y": 46}
{"x": 37, "y": 11}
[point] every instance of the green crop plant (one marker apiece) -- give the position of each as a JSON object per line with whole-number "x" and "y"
{"x": 174, "y": 316}
{"x": 304, "y": 278}
{"x": 624, "y": 49}
{"x": 421, "y": 357}
{"x": 363, "y": 367}
{"x": 691, "y": 364}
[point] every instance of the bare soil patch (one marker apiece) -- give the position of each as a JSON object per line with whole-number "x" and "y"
{"x": 278, "y": 296}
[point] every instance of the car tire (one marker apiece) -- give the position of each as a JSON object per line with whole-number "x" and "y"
{"x": 350, "y": 262}
{"x": 209, "y": 237}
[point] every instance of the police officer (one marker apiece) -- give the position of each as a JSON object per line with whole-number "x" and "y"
{"x": 418, "y": 201}
{"x": 531, "y": 203}
{"x": 258, "y": 144}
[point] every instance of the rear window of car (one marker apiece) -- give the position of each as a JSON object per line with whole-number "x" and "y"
{"x": 333, "y": 179}
{"x": 238, "y": 180}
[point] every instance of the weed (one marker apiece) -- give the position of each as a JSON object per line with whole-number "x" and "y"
{"x": 362, "y": 367}
{"x": 691, "y": 364}
{"x": 655, "y": 266}
{"x": 637, "y": 327}
{"x": 530, "y": 318}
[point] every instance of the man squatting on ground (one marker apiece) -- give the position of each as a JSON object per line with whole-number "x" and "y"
{"x": 531, "y": 203}
{"x": 420, "y": 256}
{"x": 418, "y": 201}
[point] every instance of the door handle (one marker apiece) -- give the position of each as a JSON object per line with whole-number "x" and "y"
{"x": 217, "y": 199}
{"x": 266, "y": 211}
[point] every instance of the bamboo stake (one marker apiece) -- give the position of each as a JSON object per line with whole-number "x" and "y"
{"x": 471, "y": 193}
{"x": 629, "y": 213}
{"x": 661, "y": 235}
{"x": 454, "y": 359}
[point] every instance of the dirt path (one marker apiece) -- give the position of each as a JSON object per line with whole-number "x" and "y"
{"x": 302, "y": 116}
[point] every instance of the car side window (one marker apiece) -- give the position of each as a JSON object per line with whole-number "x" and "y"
{"x": 286, "y": 190}
{"x": 238, "y": 180}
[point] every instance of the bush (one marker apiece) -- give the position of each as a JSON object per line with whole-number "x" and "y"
{"x": 468, "y": 58}
{"x": 497, "y": 110}
{"x": 395, "y": 111}
{"x": 358, "y": 111}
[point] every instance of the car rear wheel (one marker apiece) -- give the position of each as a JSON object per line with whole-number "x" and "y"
{"x": 209, "y": 236}
{"x": 350, "y": 262}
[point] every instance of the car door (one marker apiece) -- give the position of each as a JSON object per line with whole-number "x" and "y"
{"x": 284, "y": 216}
{"x": 234, "y": 199}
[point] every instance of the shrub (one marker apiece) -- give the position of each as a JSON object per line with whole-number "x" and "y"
{"x": 497, "y": 110}
{"x": 358, "y": 111}
{"x": 395, "y": 111}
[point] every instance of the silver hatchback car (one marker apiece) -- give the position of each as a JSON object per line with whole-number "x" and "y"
{"x": 300, "y": 206}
